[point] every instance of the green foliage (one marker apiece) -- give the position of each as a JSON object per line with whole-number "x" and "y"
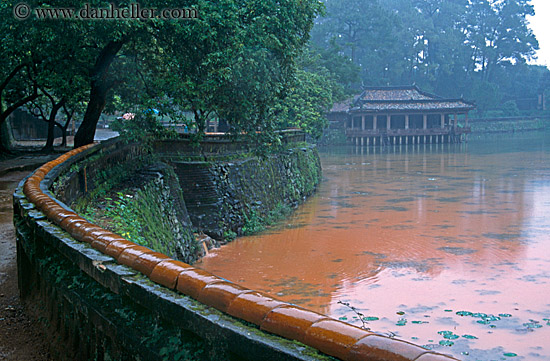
{"x": 510, "y": 109}
{"x": 310, "y": 96}
{"x": 142, "y": 127}
{"x": 231, "y": 64}
{"x": 456, "y": 48}
{"x": 487, "y": 95}
{"x": 145, "y": 217}
{"x": 254, "y": 222}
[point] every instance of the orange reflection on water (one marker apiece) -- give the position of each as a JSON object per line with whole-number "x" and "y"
{"x": 425, "y": 232}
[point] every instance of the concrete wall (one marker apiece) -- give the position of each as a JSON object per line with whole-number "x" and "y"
{"x": 107, "y": 298}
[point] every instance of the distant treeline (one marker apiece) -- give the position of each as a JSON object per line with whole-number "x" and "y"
{"x": 476, "y": 49}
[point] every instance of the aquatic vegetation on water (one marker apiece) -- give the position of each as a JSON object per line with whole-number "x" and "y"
{"x": 401, "y": 322}
{"x": 446, "y": 343}
{"x": 449, "y": 335}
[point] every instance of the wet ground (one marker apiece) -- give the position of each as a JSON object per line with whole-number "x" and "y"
{"x": 444, "y": 246}
{"x": 20, "y": 335}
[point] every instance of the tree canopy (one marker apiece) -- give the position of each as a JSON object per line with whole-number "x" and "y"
{"x": 234, "y": 62}
{"x": 451, "y": 47}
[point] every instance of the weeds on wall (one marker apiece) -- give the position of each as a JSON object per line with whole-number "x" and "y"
{"x": 254, "y": 222}
{"x": 146, "y": 217}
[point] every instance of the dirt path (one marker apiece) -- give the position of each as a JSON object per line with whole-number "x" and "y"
{"x": 20, "y": 336}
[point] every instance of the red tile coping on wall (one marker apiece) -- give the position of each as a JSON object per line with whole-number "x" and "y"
{"x": 328, "y": 335}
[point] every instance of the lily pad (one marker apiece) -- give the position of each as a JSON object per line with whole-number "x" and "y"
{"x": 464, "y": 313}
{"x": 446, "y": 343}
{"x": 510, "y": 354}
{"x": 371, "y": 318}
{"x": 401, "y": 313}
{"x": 479, "y": 315}
{"x": 532, "y": 325}
{"x": 419, "y": 322}
{"x": 505, "y": 315}
{"x": 449, "y": 335}
{"x": 470, "y": 337}
{"x": 401, "y": 322}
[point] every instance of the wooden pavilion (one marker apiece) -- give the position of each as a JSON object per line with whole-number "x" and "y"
{"x": 402, "y": 115}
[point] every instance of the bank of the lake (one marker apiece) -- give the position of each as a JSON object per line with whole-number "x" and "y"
{"x": 443, "y": 245}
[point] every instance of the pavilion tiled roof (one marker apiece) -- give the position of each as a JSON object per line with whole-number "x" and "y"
{"x": 344, "y": 105}
{"x": 426, "y": 105}
{"x": 405, "y": 98}
{"x": 395, "y": 93}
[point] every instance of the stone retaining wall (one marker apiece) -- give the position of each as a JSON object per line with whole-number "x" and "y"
{"x": 109, "y": 298}
{"x": 222, "y": 196}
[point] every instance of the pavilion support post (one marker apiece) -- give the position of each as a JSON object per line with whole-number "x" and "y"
{"x": 425, "y": 121}
{"x": 363, "y": 122}
{"x": 388, "y": 122}
{"x": 466, "y": 119}
{"x": 407, "y": 121}
{"x": 442, "y": 117}
{"x": 374, "y": 122}
{"x": 455, "y": 120}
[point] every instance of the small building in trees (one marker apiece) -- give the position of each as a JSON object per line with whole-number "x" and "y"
{"x": 402, "y": 115}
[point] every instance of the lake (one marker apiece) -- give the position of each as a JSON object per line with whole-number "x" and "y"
{"x": 446, "y": 246}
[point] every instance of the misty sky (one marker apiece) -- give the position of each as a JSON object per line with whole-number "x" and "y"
{"x": 541, "y": 27}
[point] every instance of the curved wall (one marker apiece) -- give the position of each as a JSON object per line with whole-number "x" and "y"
{"x": 108, "y": 296}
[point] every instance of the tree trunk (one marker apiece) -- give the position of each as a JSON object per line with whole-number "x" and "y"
{"x": 86, "y": 131}
{"x": 51, "y": 126}
{"x": 4, "y": 148}
{"x": 64, "y": 137}
{"x": 5, "y": 113}
{"x": 100, "y": 86}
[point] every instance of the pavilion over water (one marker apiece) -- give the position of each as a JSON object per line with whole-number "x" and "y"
{"x": 402, "y": 115}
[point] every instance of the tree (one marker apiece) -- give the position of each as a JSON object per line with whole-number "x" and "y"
{"x": 498, "y": 32}
{"x": 232, "y": 64}
{"x": 17, "y": 66}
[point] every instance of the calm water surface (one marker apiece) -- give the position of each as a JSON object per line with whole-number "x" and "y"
{"x": 430, "y": 243}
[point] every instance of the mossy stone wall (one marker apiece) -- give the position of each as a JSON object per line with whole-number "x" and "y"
{"x": 223, "y": 198}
